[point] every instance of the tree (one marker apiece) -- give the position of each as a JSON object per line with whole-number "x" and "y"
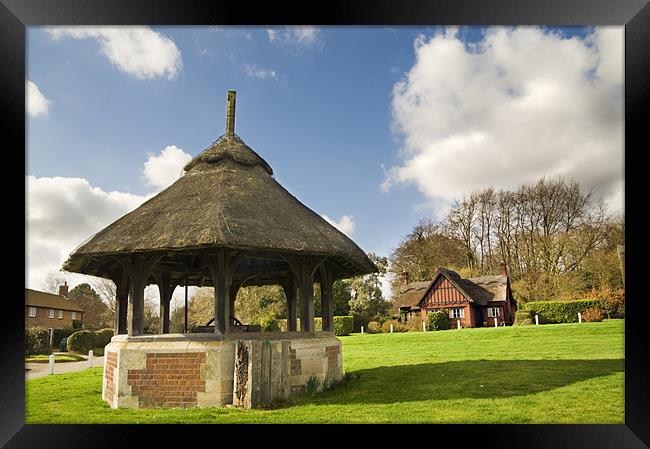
{"x": 95, "y": 311}
{"x": 367, "y": 301}
{"x": 53, "y": 281}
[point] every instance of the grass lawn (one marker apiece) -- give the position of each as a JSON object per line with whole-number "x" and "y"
{"x": 562, "y": 373}
{"x": 58, "y": 358}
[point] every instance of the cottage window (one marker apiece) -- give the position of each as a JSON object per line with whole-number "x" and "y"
{"x": 74, "y": 315}
{"x": 32, "y": 311}
{"x": 493, "y": 312}
{"x": 457, "y": 312}
{"x": 51, "y": 313}
{"x": 60, "y": 314}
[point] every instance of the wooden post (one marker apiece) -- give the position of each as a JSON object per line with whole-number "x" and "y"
{"x": 230, "y": 114}
{"x": 234, "y": 289}
{"x": 219, "y": 265}
{"x": 495, "y": 322}
{"x": 458, "y": 324}
{"x": 290, "y": 292}
{"x": 579, "y": 317}
{"x": 536, "y": 320}
{"x": 326, "y": 299}
{"x": 424, "y": 326}
{"x": 185, "y": 327}
{"x": 139, "y": 268}
{"x": 306, "y": 297}
{"x": 90, "y": 358}
{"x": 361, "y": 330}
{"x": 121, "y": 303}
{"x": 50, "y": 366}
{"x": 391, "y": 328}
{"x": 166, "y": 288}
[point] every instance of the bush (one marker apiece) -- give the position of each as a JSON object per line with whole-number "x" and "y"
{"x": 82, "y": 341}
{"x": 343, "y": 325}
{"x": 592, "y": 315}
{"x": 523, "y": 318}
{"x": 77, "y": 324}
{"x": 438, "y": 321}
{"x": 103, "y": 337}
{"x": 374, "y": 327}
{"x": 560, "y": 311}
{"x": 37, "y": 341}
{"x": 397, "y": 326}
{"x": 89, "y": 327}
{"x": 414, "y": 324}
{"x": 60, "y": 334}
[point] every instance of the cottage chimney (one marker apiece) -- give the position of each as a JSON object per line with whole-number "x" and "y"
{"x": 63, "y": 289}
{"x": 503, "y": 271}
{"x": 404, "y": 278}
{"x": 230, "y": 114}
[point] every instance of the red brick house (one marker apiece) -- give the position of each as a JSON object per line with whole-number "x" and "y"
{"x": 475, "y": 302}
{"x": 49, "y": 310}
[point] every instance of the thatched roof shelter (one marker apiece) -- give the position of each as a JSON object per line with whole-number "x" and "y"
{"x": 226, "y": 204}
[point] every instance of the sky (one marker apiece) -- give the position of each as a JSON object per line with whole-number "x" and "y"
{"x": 373, "y": 128}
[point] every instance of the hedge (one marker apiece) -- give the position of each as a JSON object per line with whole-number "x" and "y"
{"x": 523, "y": 318}
{"x": 560, "y": 311}
{"x": 397, "y": 326}
{"x": 103, "y": 337}
{"x": 438, "y": 321}
{"x": 82, "y": 341}
{"x": 60, "y": 334}
{"x": 37, "y": 341}
{"x": 343, "y": 325}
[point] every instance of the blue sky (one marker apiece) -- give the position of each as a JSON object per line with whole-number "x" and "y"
{"x": 339, "y": 113}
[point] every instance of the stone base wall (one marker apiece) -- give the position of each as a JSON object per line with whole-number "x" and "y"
{"x": 197, "y": 370}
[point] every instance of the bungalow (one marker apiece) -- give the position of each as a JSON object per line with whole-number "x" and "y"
{"x": 475, "y": 302}
{"x": 49, "y": 310}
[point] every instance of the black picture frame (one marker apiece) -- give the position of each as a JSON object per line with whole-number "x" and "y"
{"x": 15, "y": 15}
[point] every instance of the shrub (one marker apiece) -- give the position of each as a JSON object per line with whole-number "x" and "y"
{"x": 311, "y": 386}
{"x": 77, "y": 324}
{"x": 592, "y": 315}
{"x": 523, "y": 318}
{"x": 438, "y": 320}
{"x": 414, "y": 324}
{"x": 82, "y": 341}
{"x": 397, "y": 326}
{"x": 60, "y": 334}
{"x": 560, "y": 311}
{"x": 343, "y": 325}
{"x": 37, "y": 341}
{"x": 103, "y": 337}
{"x": 89, "y": 327}
{"x": 374, "y": 327}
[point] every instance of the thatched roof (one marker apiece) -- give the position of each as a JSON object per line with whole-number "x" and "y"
{"x": 479, "y": 290}
{"x": 37, "y": 298}
{"x": 227, "y": 197}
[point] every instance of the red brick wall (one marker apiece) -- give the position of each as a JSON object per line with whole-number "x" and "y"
{"x": 43, "y": 319}
{"x": 109, "y": 370}
{"x": 168, "y": 380}
{"x": 332, "y": 353}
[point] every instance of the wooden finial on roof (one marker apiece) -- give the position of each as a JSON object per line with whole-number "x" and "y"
{"x": 230, "y": 114}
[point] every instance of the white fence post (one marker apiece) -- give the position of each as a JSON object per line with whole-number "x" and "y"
{"x": 90, "y": 357}
{"x": 50, "y": 367}
{"x": 424, "y": 326}
{"x": 495, "y": 323}
{"x": 458, "y": 324}
{"x": 536, "y": 320}
{"x": 579, "y": 317}
{"x": 361, "y": 330}
{"x": 391, "y": 328}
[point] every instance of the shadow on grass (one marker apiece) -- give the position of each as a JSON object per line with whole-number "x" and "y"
{"x": 472, "y": 379}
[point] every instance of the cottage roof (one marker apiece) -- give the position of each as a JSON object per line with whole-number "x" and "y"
{"x": 227, "y": 197}
{"x": 37, "y": 298}
{"x": 479, "y": 290}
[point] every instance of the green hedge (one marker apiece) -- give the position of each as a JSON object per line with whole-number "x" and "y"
{"x": 103, "y": 337}
{"x": 438, "y": 321}
{"x": 523, "y": 318}
{"x": 37, "y": 341}
{"x": 343, "y": 325}
{"x": 60, "y": 334}
{"x": 560, "y": 311}
{"x": 82, "y": 341}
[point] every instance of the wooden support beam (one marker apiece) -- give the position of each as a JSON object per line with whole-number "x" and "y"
{"x": 139, "y": 267}
{"x": 290, "y": 288}
{"x": 121, "y": 302}
{"x": 326, "y": 282}
{"x": 306, "y": 289}
{"x": 166, "y": 288}
{"x": 234, "y": 289}
{"x": 220, "y": 264}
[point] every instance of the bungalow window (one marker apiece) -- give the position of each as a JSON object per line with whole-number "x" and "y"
{"x": 60, "y": 314}
{"x": 32, "y": 311}
{"x": 74, "y": 315}
{"x": 51, "y": 313}
{"x": 457, "y": 312}
{"x": 493, "y": 312}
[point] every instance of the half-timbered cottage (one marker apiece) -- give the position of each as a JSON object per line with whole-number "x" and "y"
{"x": 475, "y": 302}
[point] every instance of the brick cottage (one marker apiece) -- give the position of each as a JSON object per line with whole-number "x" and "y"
{"x": 49, "y": 310}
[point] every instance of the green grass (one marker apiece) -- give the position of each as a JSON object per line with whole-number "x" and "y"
{"x": 563, "y": 373}
{"x": 58, "y": 358}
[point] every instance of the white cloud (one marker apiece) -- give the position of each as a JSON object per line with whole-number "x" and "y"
{"x": 61, "y": 214}
{"x": 518, "y": 105}
{"x": 163, "y": 169}
{"x": 37, "y": 104}
{"x": 138, "y": 51}
{"x": 253, "y": 70}
{"x": 296, "y": 37}
{"x": 345, "y": 224}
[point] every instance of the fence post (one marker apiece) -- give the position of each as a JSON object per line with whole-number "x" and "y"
{"x": 579, "y": 317}
{"x": 424, "y": 326}
{"x": 361, "y": 330}
{"x": 90, "y": 357}
{"x": 536, "y": 320}
{"x": 495, "y": 323}
{"x": 50, "y": 367}
{"x": 458, "y": 324}
{"x": 391, "y": 328}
